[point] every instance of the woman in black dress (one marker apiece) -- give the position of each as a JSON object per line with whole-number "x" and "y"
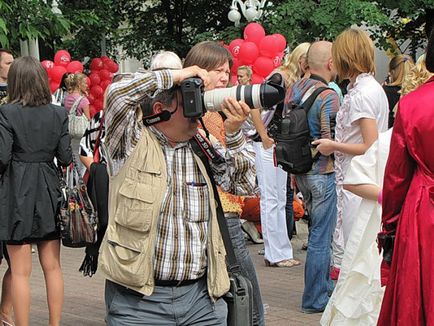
{"x": 32, "y": 133}
{"x": 399, "y": 67}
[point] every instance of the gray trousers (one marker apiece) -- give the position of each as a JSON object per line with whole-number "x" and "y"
{"x": 184, "y": 305}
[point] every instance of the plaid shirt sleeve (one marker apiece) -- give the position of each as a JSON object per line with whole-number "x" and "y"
{"x": 238, "y": 174}
{"x": 122, "y": 128}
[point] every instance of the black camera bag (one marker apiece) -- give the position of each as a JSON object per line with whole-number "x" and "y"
{"x": 292, "y": 136}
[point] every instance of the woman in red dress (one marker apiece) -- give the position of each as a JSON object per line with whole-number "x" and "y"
{"x": 408, "y": 209}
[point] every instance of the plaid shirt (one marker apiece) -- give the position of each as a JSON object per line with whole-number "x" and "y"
{"x": 181, "y": 239}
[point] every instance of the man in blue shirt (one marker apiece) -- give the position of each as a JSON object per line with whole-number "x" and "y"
{"x": 318, "y": 185}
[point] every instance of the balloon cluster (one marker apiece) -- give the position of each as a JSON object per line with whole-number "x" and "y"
{"x": 261, "y": 52}
{"x": 101, "y": 75}
{"x": 61, "y": 65}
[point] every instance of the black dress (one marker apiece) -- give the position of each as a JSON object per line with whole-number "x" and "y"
{"x": 30, "y": 138}
{"x": 393, "y": 95}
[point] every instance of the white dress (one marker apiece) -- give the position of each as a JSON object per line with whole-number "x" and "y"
{"x": 356, "y": 299}
{"x": 366, "y": 99}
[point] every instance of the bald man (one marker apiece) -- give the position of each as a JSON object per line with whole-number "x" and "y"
{"x": 318, "y": 185}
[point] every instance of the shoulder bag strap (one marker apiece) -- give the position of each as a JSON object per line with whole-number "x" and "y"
{"x": 74, "y": 107}
{"x": 233, "y": 265}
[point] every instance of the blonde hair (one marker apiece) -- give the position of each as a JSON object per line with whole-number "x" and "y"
{"x": 353, "y": 53}
{"x": 291, "y": 65}
{"x": 73, "y": 81}
{"x": 417, "y": 75}
{"x": 399, "y": 67}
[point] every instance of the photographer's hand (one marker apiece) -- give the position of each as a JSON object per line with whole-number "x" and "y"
{"x": 236, "y": 112}
{"x": 193, "y": 71}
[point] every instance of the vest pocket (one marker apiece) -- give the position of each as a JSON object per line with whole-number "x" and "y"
{"x": 135, "y": 205}
{"x": 130, "y": 267}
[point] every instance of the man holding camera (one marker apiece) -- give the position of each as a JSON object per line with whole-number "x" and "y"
{"x": 163, "y": 254}
{"x": 318, "y": 185}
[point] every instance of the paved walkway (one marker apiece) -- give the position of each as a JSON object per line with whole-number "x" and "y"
{"x": 84, "y": 297}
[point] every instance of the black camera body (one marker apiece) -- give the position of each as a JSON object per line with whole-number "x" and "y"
{"x": 192, "y": 90}
{"x": 196, "y": 101}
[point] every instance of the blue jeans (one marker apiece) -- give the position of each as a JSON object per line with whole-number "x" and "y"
{"x": 247, "y": 267}
{"x": 319, "y": 192}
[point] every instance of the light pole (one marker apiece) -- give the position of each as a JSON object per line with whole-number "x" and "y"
{"x": 251, "y": 10}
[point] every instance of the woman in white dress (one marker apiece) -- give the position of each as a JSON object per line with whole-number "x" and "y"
{"x": 356, "y": 299}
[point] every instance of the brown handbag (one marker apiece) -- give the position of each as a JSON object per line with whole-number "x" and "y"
{"x": 77, "y": 216}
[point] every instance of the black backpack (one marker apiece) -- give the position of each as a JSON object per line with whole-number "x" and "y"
{"x": 292, "y": 136}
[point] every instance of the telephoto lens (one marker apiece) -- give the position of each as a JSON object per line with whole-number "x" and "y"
{"x": 258, "y": 96}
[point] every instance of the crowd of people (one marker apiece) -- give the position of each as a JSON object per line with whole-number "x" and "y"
{"x": 160, "y": 244}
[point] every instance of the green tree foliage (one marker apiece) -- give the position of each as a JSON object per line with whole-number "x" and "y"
{"x": 94, "y": 27}
{"x": 308, "y": 20}
{"x": 28, "y": 19}
{"x": 409, "y": 20}
{"x": 170, "y": 24}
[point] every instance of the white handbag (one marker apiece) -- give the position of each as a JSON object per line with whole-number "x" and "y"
{"x": 77, "y": 124}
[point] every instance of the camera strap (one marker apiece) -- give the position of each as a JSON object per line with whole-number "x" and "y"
{"x": 197, "y": 146}
{"x": 156, "y": 118}
{"x": 206, "y": 148}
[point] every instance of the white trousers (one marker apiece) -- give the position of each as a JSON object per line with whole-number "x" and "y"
{"x": 272, "y": 184}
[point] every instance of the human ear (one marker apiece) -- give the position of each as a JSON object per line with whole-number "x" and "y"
{"x": 157, "y": 107}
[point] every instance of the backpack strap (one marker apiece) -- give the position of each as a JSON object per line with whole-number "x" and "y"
{"x": 311, "y": 99}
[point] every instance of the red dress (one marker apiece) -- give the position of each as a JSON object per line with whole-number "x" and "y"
{"x": 408, "y": 208}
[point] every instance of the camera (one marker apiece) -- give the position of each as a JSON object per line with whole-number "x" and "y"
{"x": 259, "y": 96}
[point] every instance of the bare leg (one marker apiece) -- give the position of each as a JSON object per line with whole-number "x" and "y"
{"x": 6, "y": 301}
{"x": 49, "y": 256}
{"x": 21, "y": 268}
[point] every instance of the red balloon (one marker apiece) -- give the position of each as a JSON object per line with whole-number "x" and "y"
{"x": 96, "y": 91}
{"x": 235, "y": 65}
{"x": 281, "y": 42}
{"x": 56, "y": 73}
{"x": 256, "y": 79}
{"x": 47, "y": 64}
{"x": 92, "y": 110}
{"x": 94, "y": 78}
{"x": 263, "y": 66}
{"x": 277, "y": 59}
{"x": 248, "y": 52}
{"x": 104, "y": 74}
{"x": 268, "y": 46}
{"x": 113, "y": 67}
{"x": 74, "y": 67}
{"x": 234, "y": 47}
{"x": 88, "y": 82}
{"x": 62, "y": 58}
{"x": 91, "y": 98}
{"x": 96, "y": 64}
{"x": 105, "y": 58}
{"x": 54, "y": 86}
{"x": 254, "y": 32}
{"x": 98, "y": 104}
{"x": 104, "y": 84}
